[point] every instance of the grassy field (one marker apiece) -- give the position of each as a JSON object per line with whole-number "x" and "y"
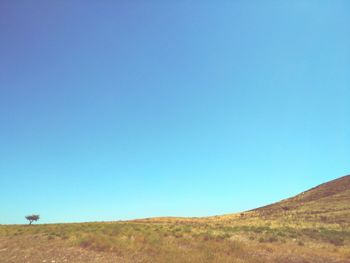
{"x": 311, "y": 227}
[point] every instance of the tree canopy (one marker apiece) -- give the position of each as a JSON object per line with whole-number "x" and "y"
{"x": 32, "y": 218}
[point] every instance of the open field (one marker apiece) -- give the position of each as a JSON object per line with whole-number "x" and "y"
{"x": 311, "y": 227}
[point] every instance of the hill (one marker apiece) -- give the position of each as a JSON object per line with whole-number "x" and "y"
{"x": 312, "y": 227}
{"x": 327, "y": 203}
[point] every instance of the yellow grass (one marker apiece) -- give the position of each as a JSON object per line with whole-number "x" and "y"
{"x": 311, "y": 227}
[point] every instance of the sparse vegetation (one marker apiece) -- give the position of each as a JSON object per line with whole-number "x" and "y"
{"x": 186, "y": 242}
{"x": 269, "y": 234}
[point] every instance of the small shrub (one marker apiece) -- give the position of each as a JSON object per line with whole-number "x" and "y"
{"x": 272, "y": 239}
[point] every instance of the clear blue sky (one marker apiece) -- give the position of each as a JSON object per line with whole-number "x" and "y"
{"x": 115, "y": 110}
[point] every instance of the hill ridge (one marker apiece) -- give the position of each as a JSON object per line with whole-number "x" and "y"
{"x": 330, "y": 188}
{"x": 328, "y": 202}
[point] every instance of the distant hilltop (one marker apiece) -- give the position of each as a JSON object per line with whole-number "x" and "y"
{"x": 328, "y": 202}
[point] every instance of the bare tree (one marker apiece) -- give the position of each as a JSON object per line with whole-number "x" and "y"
{"x": 32, "y": 218}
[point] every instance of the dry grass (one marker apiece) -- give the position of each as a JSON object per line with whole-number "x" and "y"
{"x": 312, "y": 227}
{"x": 177, "y": 242}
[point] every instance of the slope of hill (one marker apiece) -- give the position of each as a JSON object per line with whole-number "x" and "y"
{"x": 327, "y": 203}
{"x": 312, "y": 227}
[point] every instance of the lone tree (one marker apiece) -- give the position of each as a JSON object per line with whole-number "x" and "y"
{"x": 32, "y": 218}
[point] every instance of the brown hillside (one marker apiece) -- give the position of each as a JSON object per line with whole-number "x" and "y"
{"x": 329, "y": 202}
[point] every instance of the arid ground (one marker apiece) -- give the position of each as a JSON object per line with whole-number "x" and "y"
{"x": 311, "y": 227}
